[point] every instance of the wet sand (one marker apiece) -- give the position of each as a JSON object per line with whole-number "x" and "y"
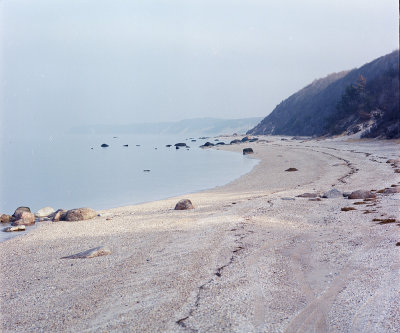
{"x": 251, "y": 256}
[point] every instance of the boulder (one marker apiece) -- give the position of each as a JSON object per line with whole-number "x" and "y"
{"x": 333, "y": 193}
{"x": 180, "y": 144}
{"x": 184, "y": 204}
{"x": 253, "y": 140}
{"x": 104, "y": 145}
{"x": 4, "y": 218}
{"x": 44, "y": 212}
{"x": 16, "y": 228}
{"x": 220, "y": 143}
{"x": 23, "y": 218}
{"x": 208, "y": 144}
{"x": 80, "y": 214}
{"x": 235, "y": 141}
{"x": 247, "y": 151}
{"x": 246, "y": 138}
{"x": 58, "y": 215}
{"x": 361, "y": 194}
{"x": 21, "y": 209}
{"x": 91, "y": 253}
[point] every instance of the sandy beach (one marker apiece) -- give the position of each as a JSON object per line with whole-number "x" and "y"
{"x": 251, "y": 256}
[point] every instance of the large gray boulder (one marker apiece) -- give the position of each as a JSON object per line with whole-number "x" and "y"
{"x": 80, "y": 214}
{"x": 184, "y": 204}
{"x": 44, "y": 212}
{"x": 362, "y": 194}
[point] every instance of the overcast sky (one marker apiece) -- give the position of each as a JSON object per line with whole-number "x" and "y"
{"x": 70, "y": 62}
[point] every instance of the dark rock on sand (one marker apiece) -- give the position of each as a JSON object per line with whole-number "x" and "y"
{"x": 361, "y": 194}
{"x": 91, "y": 253}
{"x": 184, "y": 204}
{"x": 168, "y": 146}
{"x": 23, "y": 218}
{"x": 104, "y": 145}
{"x": 208, "y": 144}
{"x": 126, "y": 145}
{"x": 235, "y": 141}
{"x": 247, "y": 151}
{"x": 246, "y": 138}
{"x": 80, "y": 214}
{"x": 253, "y": 140}
{"x": 291, "y": 169}
{"x": 4, "y": 218}
{"x": 333, "y": 193}
{"x": 16, "y": 228}
{"x": 180, "y": 144}
{"x": 220, "y": 143}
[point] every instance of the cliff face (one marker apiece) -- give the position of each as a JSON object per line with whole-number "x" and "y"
{"x": 361, "y": 100}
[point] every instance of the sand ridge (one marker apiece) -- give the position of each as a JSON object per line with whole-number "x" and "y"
{"x": 251, "y": 256}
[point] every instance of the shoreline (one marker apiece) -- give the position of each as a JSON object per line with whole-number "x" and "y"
{"x": 250, "y": 257}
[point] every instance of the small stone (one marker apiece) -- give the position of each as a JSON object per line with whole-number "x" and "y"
{"x": 104, "y": 145}
{"x": 287, "y": 198}
{"x": 391, "y": 190}
{"x": 16, "y": 228}
{"x": 346, "y": 209}
{"x": 314, "y": 199}
{"x": 291, "y": 169}
{"x": 184, "y": 204}
{"x": 333, "y": 193}
{"x": 361, "y": 194}
{"x": 308, "y": 195}
{"x": 91, "y": 253}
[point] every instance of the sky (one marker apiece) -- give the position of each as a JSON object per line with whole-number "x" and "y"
{"x": 65, "y": 63}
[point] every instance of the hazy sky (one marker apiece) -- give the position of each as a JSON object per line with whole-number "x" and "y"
{"x": 70, "y": 62}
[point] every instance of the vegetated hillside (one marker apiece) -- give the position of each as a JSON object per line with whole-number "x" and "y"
{"x": 364, "y": 100}
{"x": 197, "y": 126}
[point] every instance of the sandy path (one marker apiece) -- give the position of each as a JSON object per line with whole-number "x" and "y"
{"x": 245, "y": 260}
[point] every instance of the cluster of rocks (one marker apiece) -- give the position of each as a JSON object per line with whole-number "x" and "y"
{"x": 24, "y": 217}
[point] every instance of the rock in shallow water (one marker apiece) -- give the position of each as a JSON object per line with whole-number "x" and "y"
{"x": 16, "y": 228}
{"x": 23, "y": 218}
{"x": 58, "y": 215}
{"x": 184, "y": 204}
{"x": 5, "y": 218}
{"x": 91, "y": 253}
{"x": 247, "y": 151}
{"x": 80, "y": 214}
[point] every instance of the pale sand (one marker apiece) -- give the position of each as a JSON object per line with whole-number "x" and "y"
{"x": 244, "y": 260}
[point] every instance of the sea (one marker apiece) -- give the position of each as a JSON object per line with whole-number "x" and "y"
{"x": 69, "y": 171}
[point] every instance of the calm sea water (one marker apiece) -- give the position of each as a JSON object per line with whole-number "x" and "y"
{"x": 65, "y": 172}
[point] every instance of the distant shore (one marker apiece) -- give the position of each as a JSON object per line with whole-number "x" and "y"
{"x": 251, "y": 256}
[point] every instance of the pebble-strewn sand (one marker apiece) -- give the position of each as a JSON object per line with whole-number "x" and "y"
{"x": 246, "y": 259}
